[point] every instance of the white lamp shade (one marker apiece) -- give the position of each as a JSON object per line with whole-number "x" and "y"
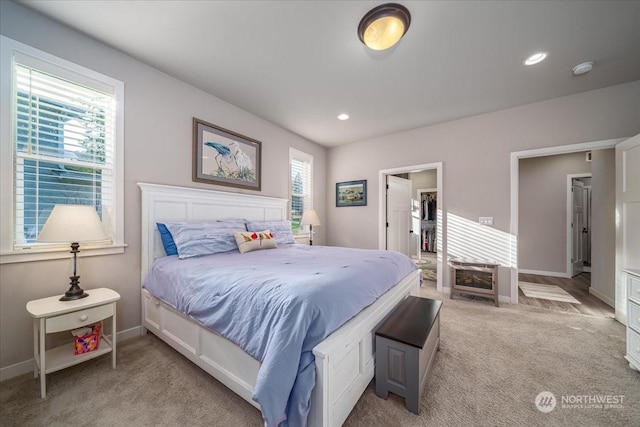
{"x": 310, "y": 217}
{"x": 72, "y": 224}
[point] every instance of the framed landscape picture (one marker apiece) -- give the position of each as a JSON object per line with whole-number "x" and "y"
{"x": 351, "y": 193}
{"x": 223, "y": 157}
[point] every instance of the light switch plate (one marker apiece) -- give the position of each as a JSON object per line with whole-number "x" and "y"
{"x": 486, "y": 220}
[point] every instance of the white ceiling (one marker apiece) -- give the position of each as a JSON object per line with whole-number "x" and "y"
{"x": 299, "y": 64}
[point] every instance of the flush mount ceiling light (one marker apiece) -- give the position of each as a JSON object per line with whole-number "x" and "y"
{"x": 384, "y": 25}
{"x": 583, "y": 68}
{"x": 343, "y": 116}
{"x": 536, "y": 58}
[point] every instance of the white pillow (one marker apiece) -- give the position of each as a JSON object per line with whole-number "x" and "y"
{"x": 248, "y": 241}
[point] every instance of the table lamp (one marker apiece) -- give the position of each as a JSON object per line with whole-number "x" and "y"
{"x": 310, "y": 218}
{"x": 72, "y": 224}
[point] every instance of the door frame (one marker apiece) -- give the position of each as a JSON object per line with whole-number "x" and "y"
{"x": 442, "y": 229}
{"x": 515, "y": 183}
{"x": 570, "y": 177}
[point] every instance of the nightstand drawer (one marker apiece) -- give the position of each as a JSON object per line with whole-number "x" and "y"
{"x": 77, "y": 319}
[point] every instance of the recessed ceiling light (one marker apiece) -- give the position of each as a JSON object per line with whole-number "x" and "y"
{"x": 536, "y": 58}
{"x": 343, "y": 116}
{"x": 583, "y": 68}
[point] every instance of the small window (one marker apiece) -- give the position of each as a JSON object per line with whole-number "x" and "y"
{"x": 66, "y": 145}
{"x": 301, "y": 166}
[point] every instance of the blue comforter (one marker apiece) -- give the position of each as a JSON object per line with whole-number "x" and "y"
{"x": 277, "y": 305}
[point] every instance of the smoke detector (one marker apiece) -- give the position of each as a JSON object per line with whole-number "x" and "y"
{"x": 583, "y": 68}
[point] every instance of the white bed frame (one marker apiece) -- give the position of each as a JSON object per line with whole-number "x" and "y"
{"x": 344, "y": 360}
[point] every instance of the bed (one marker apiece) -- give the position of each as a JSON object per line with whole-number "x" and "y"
{"x": 344, "y": 361}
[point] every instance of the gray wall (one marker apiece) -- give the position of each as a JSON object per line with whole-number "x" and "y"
{"x": 542, "y": 222}
{"x": 603, "y": 230}
{"x": 475, "y": 152}
{"x": 158, "y": 125}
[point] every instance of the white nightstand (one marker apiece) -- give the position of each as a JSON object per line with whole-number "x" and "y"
{"x": 52, "y": 315}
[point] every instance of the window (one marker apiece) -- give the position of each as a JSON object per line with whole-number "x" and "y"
{"x": 63, "y": 145}
{"x": 301, "y": 166}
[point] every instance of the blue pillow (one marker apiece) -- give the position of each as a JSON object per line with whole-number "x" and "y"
{"x": 281, "y": 230}
{"x": 167, "y": 239}
{"x": 203, "y": 238}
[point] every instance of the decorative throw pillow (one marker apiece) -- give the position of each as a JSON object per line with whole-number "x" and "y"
{"x": 281, "y": 230}
{"x": 202, "y": 238}
{"x": 248, "y": 241}
{"x": 167, "y": 239}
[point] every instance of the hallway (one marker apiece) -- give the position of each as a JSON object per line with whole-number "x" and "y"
{"x": 577, "y": 286}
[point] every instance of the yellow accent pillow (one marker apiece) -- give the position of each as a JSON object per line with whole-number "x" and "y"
{"x": 248, "y": 241}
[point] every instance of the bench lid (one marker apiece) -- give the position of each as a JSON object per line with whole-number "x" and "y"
{"x": 411, "y": 322}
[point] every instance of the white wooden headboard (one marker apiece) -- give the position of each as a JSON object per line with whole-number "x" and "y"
{"x": 162, "y": 203}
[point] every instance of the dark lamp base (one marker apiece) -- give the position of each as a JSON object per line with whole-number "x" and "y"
{"x": 75, "y": 291}
{"x": 73, "y": 297}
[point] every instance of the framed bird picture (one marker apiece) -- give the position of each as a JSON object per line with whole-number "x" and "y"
{"x": 224, "y": 157}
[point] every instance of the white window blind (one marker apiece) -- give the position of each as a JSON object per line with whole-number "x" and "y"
{"x": 63, "y": 148}
{"x": 301, "y": 165}
{"x": 65, "y": 140}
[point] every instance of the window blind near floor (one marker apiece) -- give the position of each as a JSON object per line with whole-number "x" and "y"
{"x": 64, "y": 139}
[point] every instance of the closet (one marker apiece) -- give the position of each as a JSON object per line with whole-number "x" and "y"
{"x": 428, "y": 221}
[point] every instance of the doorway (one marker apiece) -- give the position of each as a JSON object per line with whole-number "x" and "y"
{"x": 578, "y": 224}
{"x": 515, "y": 196}
{"x": 554, "y": 225}
{"x": 388, "y": 239}
{"x": 426, "y": 232}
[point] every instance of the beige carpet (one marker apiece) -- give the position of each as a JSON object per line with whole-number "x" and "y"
{"x": 550, "y": 292}
{"x": 492, "y": 364}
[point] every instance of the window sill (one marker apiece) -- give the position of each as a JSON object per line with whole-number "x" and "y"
{"x": 44, "y": 255}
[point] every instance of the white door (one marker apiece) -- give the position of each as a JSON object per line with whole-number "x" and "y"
{"x": 398, "y": 214}
{"x": 628, "y": 210}
{"x": 577, "y": 226}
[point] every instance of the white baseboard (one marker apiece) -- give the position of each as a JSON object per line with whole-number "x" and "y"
{"x": 602, "y": 297}
{"x": 545, "y": 273}
{"x": 505, "y": 299}
{"x": 20, "y": 368}
{"x": 16, "y": 370}
{"x": 134, "y": 332}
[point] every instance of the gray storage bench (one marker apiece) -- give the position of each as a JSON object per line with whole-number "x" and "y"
{"x": 406, "y": 345}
